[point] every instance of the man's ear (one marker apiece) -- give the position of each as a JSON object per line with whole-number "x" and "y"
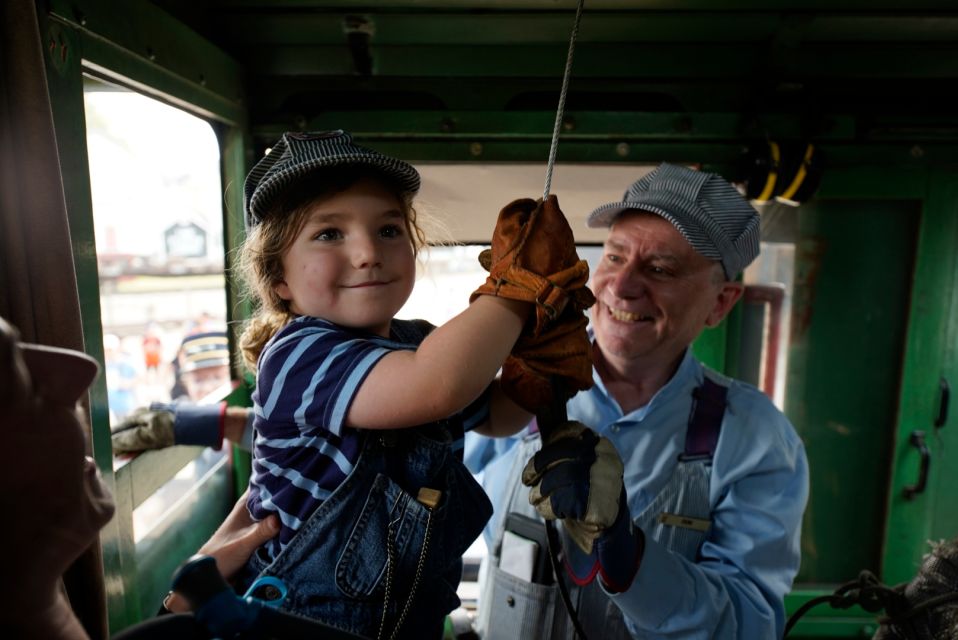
{"x": 726, "y": 297}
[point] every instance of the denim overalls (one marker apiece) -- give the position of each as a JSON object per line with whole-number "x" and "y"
{"x": 514, "y": 608}
{"x": 382, "y": 556}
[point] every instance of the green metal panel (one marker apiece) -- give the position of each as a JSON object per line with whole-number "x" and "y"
{"x": 929, "y": 354}
{"x": 180, "y": 534}
{"x": 148, "y": 50}
{"x": 852, "y": 279}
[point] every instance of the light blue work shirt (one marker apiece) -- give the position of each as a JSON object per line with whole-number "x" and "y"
{"x": 758, "y": 491}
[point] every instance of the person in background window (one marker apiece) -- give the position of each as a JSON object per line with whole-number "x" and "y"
{"x": 203, "y": 362}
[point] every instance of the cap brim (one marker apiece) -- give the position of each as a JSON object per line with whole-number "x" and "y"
{"x": 59, "y": 374}
{"x": 605, "y": 215}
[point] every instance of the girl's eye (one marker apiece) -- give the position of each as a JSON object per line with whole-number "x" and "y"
{"x": 611, "y": 257}
{"x": 391, "y": 231}
{"x": 327, "y": 235}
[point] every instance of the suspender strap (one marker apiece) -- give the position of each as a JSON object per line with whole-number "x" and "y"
{"x": 705, "y": 423}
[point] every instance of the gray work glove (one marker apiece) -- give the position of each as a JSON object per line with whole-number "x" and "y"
{"x": 163, "y": 425}
{"x": 576, "y": 477}
{"x": 144, "y": 429}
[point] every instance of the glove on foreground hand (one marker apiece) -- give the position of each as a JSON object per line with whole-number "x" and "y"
{"x": 163, "y": 425}
{"x": 533, "y": 259}
{"x": 616, "y": 553}
{"x": 576, "y": 477}
{"x": 559, "y": 358}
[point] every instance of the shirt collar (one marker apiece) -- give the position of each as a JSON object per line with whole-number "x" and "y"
{"x": 681, "y": 382}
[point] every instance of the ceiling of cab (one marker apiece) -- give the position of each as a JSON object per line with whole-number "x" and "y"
{"x": 310, "y": 57}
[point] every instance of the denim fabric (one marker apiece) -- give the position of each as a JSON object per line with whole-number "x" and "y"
{"x": 336, "y": 565}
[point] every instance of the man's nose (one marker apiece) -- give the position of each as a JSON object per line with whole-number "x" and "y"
{"x": 627, "y": 282}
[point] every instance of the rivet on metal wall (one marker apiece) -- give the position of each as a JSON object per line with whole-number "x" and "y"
{"x": 622, "y": 149}
{"x": 568, "y": 123}
{"x": 447, "y": 125}
{"x": 475, "y": 148}
{"x": 917, "y": 152}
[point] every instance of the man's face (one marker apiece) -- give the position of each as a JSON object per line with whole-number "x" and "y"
{"x": 199, "y": 383}
{"x": 54, "y": 494}
{"x": 654, "y": 293}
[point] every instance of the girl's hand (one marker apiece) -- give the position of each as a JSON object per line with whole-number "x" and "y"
{"x": 231, "y": 545}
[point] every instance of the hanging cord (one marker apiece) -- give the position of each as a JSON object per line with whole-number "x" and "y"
{"x": 561, "y": 109}
{"x": 872, "y": 596}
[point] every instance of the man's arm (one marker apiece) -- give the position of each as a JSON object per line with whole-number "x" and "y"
{"x": 164, "y": 425}
{"x": 748, "y": 562}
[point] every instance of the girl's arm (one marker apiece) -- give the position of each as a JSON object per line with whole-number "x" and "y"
{"x": 505, "y": 416}
{"x": 452, "y": 366}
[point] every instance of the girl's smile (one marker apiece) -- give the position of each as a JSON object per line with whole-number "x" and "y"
{"x": 353, "y": 261}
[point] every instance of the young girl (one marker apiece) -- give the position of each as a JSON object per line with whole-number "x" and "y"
{"x": 360, "y": 417}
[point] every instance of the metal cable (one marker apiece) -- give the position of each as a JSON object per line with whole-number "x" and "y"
{"x": 562, "y": 94}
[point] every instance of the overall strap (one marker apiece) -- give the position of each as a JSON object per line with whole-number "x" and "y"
{"x": 705, "y": 422}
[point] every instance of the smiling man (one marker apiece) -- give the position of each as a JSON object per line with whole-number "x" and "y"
{"x": 705, "y": 542}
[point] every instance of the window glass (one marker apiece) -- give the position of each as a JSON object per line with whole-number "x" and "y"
{"x": 155, "y": 183}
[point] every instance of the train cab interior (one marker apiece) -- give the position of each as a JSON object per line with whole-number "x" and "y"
{"x": 837, "y": 119}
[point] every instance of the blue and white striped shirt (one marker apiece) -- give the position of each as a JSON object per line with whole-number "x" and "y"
{"x": 308, "y": 375}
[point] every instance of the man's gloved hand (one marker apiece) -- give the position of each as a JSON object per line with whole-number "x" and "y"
{"x": 576, "y": 477}
{"x": 162, "y": 425}
{"x": 616, "y": 553}
{"x": 557, "y": 362}
{"x": 533, "y": 259}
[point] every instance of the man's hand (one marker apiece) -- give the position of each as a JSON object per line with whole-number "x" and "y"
{"x": 163, "y": 425}
{"x": 145, "y": 428}
{"x": 616, "y": 552}
{"x": 576, "y": 477}
{"x": 231, "y": 545}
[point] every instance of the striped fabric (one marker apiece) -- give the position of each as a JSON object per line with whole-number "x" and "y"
{"x": 308, "y": 375}
{"x": 709, "y": 212}
{"x": 298, "y": 154}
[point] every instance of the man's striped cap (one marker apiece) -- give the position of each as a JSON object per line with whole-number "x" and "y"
{"x": 709, "y": 212}
{"x": 297, "y": 155}
{"x": 202, "y": 350}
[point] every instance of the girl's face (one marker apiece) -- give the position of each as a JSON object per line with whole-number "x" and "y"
{"x": 353, "y": 262}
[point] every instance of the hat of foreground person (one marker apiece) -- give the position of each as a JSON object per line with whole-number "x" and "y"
{"x": 708, "y": 211}
{"x": 296, "y": 155}
{"x": 61, "y": 375}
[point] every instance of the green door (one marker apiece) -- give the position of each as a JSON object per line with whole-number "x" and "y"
{"x": 853, "y": 270}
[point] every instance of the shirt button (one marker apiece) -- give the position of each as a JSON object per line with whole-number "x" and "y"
{"x": 615, "y": 428}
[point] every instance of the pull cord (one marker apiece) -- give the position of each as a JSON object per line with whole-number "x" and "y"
{"x": 562, "y": 94}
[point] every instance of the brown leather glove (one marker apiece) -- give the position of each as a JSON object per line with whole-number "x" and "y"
{"x": 533, "y": 259}
{"x": 557, "y": 362}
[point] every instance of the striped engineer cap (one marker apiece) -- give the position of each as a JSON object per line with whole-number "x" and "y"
{"x": 202, "y": 350}
{"x": 709, "y": 212}
{"x": 296, "y": 155}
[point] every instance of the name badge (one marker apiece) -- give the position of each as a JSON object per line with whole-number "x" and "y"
{"x": 675, "y": 520}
